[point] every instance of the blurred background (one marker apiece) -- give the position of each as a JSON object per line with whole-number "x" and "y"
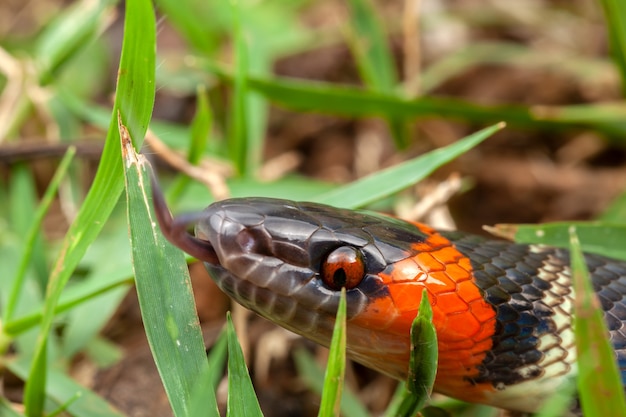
{"x": 337, "y": 90}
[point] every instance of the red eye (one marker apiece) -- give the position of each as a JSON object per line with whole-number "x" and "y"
{"x": 343, "y": 267}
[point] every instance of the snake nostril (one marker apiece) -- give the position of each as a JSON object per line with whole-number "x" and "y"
{"x": 254, "y": 240}
{"x": 246, "y": 241}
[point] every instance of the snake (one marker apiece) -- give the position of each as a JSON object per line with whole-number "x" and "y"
{"x": 502, "y": 311}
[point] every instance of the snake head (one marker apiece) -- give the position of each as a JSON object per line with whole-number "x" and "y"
{"x": 287, "y": 261}
{"x": 271, "y": 255}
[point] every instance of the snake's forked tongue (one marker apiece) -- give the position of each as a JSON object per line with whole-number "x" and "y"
{"x": 175, "y": 229}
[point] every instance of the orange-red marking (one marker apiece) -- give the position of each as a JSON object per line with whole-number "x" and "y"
{"x": 464, "y": 321}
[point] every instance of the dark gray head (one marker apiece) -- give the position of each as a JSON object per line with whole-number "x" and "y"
{"x": 288, "y": 261}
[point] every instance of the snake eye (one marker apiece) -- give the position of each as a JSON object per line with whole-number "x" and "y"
{"x": 343, "y": 267}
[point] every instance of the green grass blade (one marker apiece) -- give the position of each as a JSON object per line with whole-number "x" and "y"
{"x": 344, "y": 100}
{"x": 34, "y": 231}
{"x": 424, "y": 353}
{"x": 260, "y": 61}
{"x": 336, "y": 367}
{"x": 313, "y": 376}
{"x": 369, "y": 46}
{"x": 242, "y": 400}
{"x": 73, "y": 296}
{"x": 190, "y": 18}
{"x": 238, "y": 137}
{"x": 615, "y": 13}
{"x": 61, "y": 389}
{"x": 63, "y": 407}
{"x": 616, "y": 212}
{"x": 202, "y": 401}
{"x": 356, "y": 102}
{"x": 134, "y": 98}
{"x": 599, "y": 382}
{"x": 217, "y": 358}
{"x": 164, "y": 290}
{"x": 397, "y": 401}
{"x": 6, "y": 410}
{"x": 209, "y": 379}
{"x": 34, "y": 390}
{"x": 396, "y": 178}
{"x": 23, "y": 203}
{"x": 85, "y": 321}
{"x": 103, "y": 352}
{"x": 199, "y": 131}
{"x": 375, "y": 60}
{"x": 68, "y": 33}
{"x": 249, "y": 119}
{"x": 200, "y": 127}
{"x": 584, "y": 113}
{"x": 608, "y": 239}
{"x": 422, "y": 364}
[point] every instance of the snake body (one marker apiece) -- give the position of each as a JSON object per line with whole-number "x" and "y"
{"x": 502, "y": 311}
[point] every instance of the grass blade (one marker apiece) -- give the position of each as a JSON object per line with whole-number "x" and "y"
{"x": 313, "y": 376}
{"x": 200, "y": 127}
{"x": 356, "y": 102}
{"x": 190, "y": 18}
{"x": 6, "y": 409}
{"x": 34, "y": 231}
{"x": 369, "y": 46}
{"x": 34, "y": 391}
{"x": 238, "y": 137}
{"x": 74, "y": 296}
{"x": 199, "y": 132}
{"x": 422, "y": 364}
{"x": 599, "y": 382}
{"x": 336, "y": 367}
{"x": 71, "y": 31}
{"x": 424, "y": 353}
{"x": 217, "y": 358}
{"x": 209, "y": 379}
{"x": 134, "y": 98}
{"x": 61, "y": 389}
{"x": 22, "y": 204}
{"x": 374, "y": 60}
{"x": 163, "y": 288}
{"x": 202, "y": 401}
{"x": 396, "y": 178}
{"x": 242, "y": 400}
{"x": 615, "y": 13}
{"x": 616, "y": 212}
